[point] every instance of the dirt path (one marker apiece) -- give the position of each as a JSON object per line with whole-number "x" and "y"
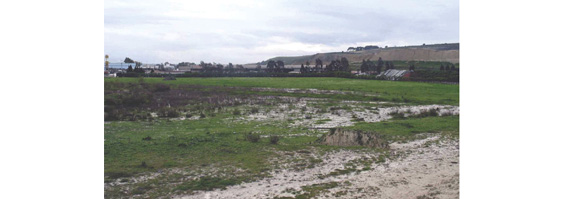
{"x": 420, "y": 169}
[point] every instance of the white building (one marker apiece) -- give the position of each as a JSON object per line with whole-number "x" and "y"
{"x": 120, "y": 65}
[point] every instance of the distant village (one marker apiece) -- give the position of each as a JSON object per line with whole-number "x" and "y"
{"x": 377, "y": 69}
{"x": 341, "y": 65}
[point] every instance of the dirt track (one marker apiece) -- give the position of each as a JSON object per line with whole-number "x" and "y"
{"x": 426, "y": 168}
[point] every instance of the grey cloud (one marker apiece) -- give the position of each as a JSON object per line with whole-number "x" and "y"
{"x": 152, "y": 31}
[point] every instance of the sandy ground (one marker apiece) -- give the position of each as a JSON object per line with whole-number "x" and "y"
{"x": 426, "y": 168}
{"x": 342, "y": 118}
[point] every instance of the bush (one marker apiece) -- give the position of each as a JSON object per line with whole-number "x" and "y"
{"x": 202, "y": 115}
{"x": 396, "y": 114}
{"x": 252, "y": 137}
{"x": 254, "y": 110}
{"x": 168, "y": 112}
{"x": 161, "y": 88}
{"x": 430, "y": 113}
{"x": 236, "y": 112}
{"x": 274, "y": 139}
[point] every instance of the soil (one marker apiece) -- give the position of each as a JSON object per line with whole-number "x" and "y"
{"x": 426, "y": 168}
{"x": 343, "y": 137}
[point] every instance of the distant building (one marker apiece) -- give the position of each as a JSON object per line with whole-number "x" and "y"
{"x": 168, "y": 65}
{"x": 359, "y": 48}
{"x": 120, "y": 65}
{"x": 196, "y": 68}
{"x": 370, "y": 47}
{"x": 184, "y": 68}
{"x": 108, "y": 74}
{"x": 393, "y": 74}
{"x": 149, "y": 66}
{"x": 294, "y": 71}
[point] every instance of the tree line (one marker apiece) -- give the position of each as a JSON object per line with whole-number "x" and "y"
{"x": 338, "y": 65}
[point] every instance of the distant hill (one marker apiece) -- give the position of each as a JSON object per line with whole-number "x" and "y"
{"x": 434, "y": 52}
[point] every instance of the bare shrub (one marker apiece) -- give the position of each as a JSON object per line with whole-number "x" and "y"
{"x": 252, "y": 137}
{"x": 274, "y": 139}
{"x": 161, "y": 88}
{"x": 168, "y": 112}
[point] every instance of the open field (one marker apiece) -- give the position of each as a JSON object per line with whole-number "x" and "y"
{"x": 412, "y": 92}
{"x": 280, "y": 138}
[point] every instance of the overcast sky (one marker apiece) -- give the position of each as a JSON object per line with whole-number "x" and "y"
{"x": 249, "y": 31}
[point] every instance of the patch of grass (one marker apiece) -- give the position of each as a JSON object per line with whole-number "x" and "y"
{"x": 416, "y": 92}
{"x": 207, "y": 184}
{"x": 323, "y": 121}
{"x": 315, "y": 190}
{"x": 407, "y": 128}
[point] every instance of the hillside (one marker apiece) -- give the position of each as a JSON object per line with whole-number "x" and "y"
{"x": 436, "y": 52}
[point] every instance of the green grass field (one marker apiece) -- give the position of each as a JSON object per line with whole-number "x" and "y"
{"x": 412, "y": 92}
{"x": 218, "y": 144}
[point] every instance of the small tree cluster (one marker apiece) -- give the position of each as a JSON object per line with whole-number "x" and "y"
{"x": 371, "y": 67}
{"x": 275, "y": 66}
{"x": 338, "y": 65}
{"x": 447, "y": 67}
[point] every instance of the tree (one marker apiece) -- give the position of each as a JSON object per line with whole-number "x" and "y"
{"x": 130, "y": 69}
{"x": 364, "y": 66}
{"x": 138, "y": 70}
{"x": 453, "y": 67}
{"x": 318, "y": 62}
{"x": 279, "y": 66}
{"x": 332, "y": 66}
{"x": 302, "y": 69}
{"x": 344, "y": 64}
{"x": 152, "y": 71}
{"x": 441, "y": 67}
{"x": 128, "y": 60}
{"x": 230, "y": 68}
{"x": 380, "y": 64}
{"x": 271, "y": 66}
